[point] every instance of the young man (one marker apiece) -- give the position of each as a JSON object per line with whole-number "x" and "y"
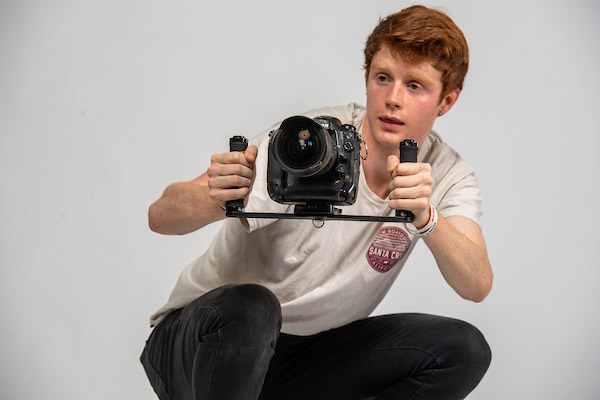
{"x": 277, "y": 309}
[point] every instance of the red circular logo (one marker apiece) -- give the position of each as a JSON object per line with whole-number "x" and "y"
{"x": 388, "y": 247}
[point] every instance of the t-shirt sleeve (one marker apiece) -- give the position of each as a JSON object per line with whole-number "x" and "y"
{"x": 461, "y": 196}
{"x": 455, "y": 188}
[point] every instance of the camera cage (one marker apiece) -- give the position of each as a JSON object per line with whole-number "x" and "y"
{"x": 318, "y": 210}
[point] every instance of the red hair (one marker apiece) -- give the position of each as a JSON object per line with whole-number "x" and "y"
{"x": 418, "y": 34}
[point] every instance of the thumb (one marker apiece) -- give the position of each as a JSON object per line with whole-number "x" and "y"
{"x": 251, "y": 153}
{"x": 392, "y": 162}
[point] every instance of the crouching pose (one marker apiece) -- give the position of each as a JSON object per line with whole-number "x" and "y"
{"x": 279, "y": 309}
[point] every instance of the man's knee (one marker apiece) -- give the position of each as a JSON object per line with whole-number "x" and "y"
{"x": 468, "y": 348}
{"x": 247, "y": 308}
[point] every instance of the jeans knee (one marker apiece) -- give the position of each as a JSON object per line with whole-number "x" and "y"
{"x": 251, "y": 308}
{"x": 256, "y": 303}
{"x": 469, "y": 348}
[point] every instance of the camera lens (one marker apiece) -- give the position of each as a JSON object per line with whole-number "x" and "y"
{"x": 302, "y": 147}
{"x": 300, "y": 150}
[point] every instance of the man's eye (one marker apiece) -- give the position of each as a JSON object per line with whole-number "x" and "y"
{"x": 414, "y": 86}
{"x": 382, "y": 78}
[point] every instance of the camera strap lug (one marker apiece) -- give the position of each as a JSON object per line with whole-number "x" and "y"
{"x": 361, "y": 142}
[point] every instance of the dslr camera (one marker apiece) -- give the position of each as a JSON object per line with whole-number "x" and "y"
{"x": 314, "y": 163}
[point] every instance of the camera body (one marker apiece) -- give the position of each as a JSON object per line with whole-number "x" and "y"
{"x": 313, "y": 161}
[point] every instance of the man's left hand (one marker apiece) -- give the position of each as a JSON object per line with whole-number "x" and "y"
{"x": 410, "y": 188}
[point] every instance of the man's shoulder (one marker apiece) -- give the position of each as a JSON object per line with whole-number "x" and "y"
{"x": 435, "y": 149}
{"x": 442, "y": 157}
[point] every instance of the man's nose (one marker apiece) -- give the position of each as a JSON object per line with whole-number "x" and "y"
{"x": 395, "y": 96}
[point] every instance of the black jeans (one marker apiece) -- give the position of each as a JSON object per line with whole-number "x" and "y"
{"x": 226, "y": 345}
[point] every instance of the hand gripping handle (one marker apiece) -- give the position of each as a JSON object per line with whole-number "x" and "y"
{"x": 408, "y": 153}
{"x": 237, "y": 143}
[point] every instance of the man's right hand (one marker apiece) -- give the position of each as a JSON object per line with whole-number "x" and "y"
{"x": 231, "y": 175}
{"x": 187, "y": 206}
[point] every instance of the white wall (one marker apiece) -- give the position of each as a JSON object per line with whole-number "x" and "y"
{"x": 103, "y": 103}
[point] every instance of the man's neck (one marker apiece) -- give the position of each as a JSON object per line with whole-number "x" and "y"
{"x": 375, "y": 166}
{"x": 375, "y": 169}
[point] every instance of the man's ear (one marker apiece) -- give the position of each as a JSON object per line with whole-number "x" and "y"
{"x": 366, "y": 76}
{"x": 448, "y": 101}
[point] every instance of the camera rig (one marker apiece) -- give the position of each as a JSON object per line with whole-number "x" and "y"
{"x": 318, "y": 209}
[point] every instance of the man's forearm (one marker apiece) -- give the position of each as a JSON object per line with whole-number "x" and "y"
{"x": 184, "y": 207}
{"x": 459, "y": 250}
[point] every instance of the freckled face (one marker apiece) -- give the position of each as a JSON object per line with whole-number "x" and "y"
{"x": 402, "y": 100}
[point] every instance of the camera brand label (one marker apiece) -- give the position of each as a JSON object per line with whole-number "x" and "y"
{"x": 388, "y": 247}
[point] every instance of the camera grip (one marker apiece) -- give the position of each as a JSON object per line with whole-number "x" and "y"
{"x": 236, "y": 143}
{"x": 408, "y": 153}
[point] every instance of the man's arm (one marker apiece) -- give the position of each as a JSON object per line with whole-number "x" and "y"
{"x": 457, "y": 243}
{"x": 459, "y": 249}
{"x": 185, "y": 207}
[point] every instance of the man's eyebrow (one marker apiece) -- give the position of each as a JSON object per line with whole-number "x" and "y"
{"x": 375, "y": 66}
{"x": 423, "y": 79}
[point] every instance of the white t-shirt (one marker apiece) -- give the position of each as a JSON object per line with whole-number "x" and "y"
{"x": 330, "y": 276}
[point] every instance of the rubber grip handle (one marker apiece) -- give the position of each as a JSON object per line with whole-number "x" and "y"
{"x": 237, "y": 143}
{"x": 408, "y": 153}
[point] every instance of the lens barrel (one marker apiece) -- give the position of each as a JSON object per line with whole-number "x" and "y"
{"x": 303, "y": 147}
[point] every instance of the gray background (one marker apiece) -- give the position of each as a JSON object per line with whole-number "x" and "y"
{"x": 104, "y": 103}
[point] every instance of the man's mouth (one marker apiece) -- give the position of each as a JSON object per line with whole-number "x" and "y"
{"x": 391, "y": 120}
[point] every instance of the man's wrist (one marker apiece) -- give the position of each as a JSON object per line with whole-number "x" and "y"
{"x": 429, "y": 227}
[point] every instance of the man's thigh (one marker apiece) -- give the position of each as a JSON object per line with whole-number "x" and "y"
{"x": 218, "y": 346}
{"x": 391, "y": 356}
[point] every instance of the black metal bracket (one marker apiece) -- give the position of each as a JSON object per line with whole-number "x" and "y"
{"x": 335, "y": 214}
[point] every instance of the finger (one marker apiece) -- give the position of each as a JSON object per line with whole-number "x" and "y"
{"x": 415, "y": 192}
{"x": 408, "y": 181}
{"x": 225, "y": 195}
{"x": 411, "y": 168}
{"x": 392, "y": 161}
{"x": 251, "y": 153}
{"x": 234, "y": 157}
{"x": 216, "y": 170}
{"x": 405, "y": 181}
{"x": 229, "y": 182}
{"x": 417, "y": 206}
